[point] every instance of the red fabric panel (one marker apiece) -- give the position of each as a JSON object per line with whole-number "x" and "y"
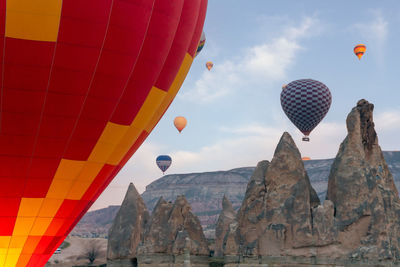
{"x": 183, "y": 38}
{"x": 19, "y": 123}
{"x": 199, "y": 28}
{"x": 36, "y": 187}
{"x": 11, "y": 187}
{"x": 13, "y": 166}
{"x": 34, "y": 261}
{"x": 83, "y": 27}
{"x": 160, "y": 35}
{"x": 44, "y": 242}
{"x": 7, "y": 225}
{"x": 66, "y": 209}
{"x": 16, "y": 145}
{"x": 9, "y": 206}
{"x": 43, "y": 167}
{"x": 98, "y": 182}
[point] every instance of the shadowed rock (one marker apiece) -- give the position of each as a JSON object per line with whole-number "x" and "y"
{"x": 128, "y": 227}
{"x": 227, "y": 216}
{"x": 169, "y": 226}
{"x": 362, "y": 190}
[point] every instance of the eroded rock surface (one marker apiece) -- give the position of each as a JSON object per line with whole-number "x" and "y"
{"x": 169, "y": 226}
{"x": 227, "y": 216}
{"x": 127, "y": 230}
{"x": 362, "y": 190}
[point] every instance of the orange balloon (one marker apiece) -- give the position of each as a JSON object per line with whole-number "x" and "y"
{"x": 359, "y": 50}
{"x": 209, "y": 65}
{"x": 180, "y": 123}
{"x": 306, "y": 158}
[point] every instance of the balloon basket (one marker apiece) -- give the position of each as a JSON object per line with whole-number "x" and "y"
{"x": 306, "y": 139}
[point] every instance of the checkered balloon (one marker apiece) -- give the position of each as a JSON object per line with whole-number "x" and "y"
{"x": 306, "y": 102}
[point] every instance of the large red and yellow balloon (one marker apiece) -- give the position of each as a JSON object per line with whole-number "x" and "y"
{"x": 83, "y": 83}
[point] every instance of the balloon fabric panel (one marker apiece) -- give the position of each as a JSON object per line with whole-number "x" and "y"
{"x": 78, "y": 100}
{"x": 306, "y": 103}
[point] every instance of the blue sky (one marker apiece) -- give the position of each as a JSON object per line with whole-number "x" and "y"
{"x": 234, "y": 114}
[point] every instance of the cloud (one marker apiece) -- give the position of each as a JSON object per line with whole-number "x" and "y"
{"x": 375, "y": 33}
{"x": 269, "y": 62}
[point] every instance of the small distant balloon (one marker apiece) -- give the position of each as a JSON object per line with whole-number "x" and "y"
{"x": 180, "y": 123}
{"x": 209, "y": 65}
{"x": 306, "y": 102}
{"x": 201, "y": 43}
{"x": 163, "y": 162}
{"x": 305, "y": 158}
{"x": 359, "y": 50}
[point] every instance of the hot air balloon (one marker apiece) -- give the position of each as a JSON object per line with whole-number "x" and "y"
{"x": 306, "y": 103}
{"x": 209, "y": 65}
{"x": 359, "y": 50}
{"x": 180, "y": 123}
{"x": 83, "y": 85}
{"x": 306, "y": 158}
{"x": 163, "y": 162}
{"x": 201, "y": 43}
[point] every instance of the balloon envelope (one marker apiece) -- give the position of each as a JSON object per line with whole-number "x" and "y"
{"x": 306, "y": 102}
{"x": 180, "y": 123}
{"x": 201, "y": 43}
{"x": 163, "y": 162}
{"x": 359, "y": 50}
{"x": 209, "y": 65}
{"x": 83, "y": 85}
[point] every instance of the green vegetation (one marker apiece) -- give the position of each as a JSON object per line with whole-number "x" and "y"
{"x": 65, "y": 244}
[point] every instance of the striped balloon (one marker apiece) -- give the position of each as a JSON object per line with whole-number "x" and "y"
{"x": 83, "y": 83}
{"x": 163, "y": 162}
{"x": 359, "y": 50}
{"x": 306, "y": 102}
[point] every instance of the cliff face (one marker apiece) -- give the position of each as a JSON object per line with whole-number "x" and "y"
{"x": 227, "y": 216}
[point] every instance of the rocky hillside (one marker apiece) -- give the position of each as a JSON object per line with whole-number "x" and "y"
{"x": 204, "y": 192}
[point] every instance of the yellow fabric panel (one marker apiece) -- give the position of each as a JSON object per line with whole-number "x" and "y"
{"x": 78, "y": 189}
{"x": 40, "y": 226}
{"x": 4, "y": 241}
{"x": 50, "y": 207}
{"x": 12, "y": 257}
{"x": 90, "y": 171}
{"x": 113, "y": 133}
{"x": 172, "y": 91}
{"x": 108, "y": 140}
{"x": 33, "y": 19}
{"x": 69, "y": 169}
{"x": 23, "y": 225}
{"x": 122, "y": 148}
{"x": 18, "y": 241}
{"x": 59, "y": 189}
{"x": 149, "y": 107}
{"x": 29, "y": 207}
{"x": 101, "y": 152}
{"x": 2, "y": 258}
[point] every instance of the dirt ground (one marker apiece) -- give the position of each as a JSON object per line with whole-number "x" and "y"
{"x": 74, "y": 253}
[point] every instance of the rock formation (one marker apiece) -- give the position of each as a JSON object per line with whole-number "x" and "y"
{"x": 360, "y": 219}
{"x": 227, "y": 216}
{"x": 276, "y": 211}
{"x": 169, "y": 226}
{"x": 363, "y": 192}
{"x": 128, "y": 227}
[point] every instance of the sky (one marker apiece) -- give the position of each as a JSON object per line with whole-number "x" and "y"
{"x": 234, "y": 113}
